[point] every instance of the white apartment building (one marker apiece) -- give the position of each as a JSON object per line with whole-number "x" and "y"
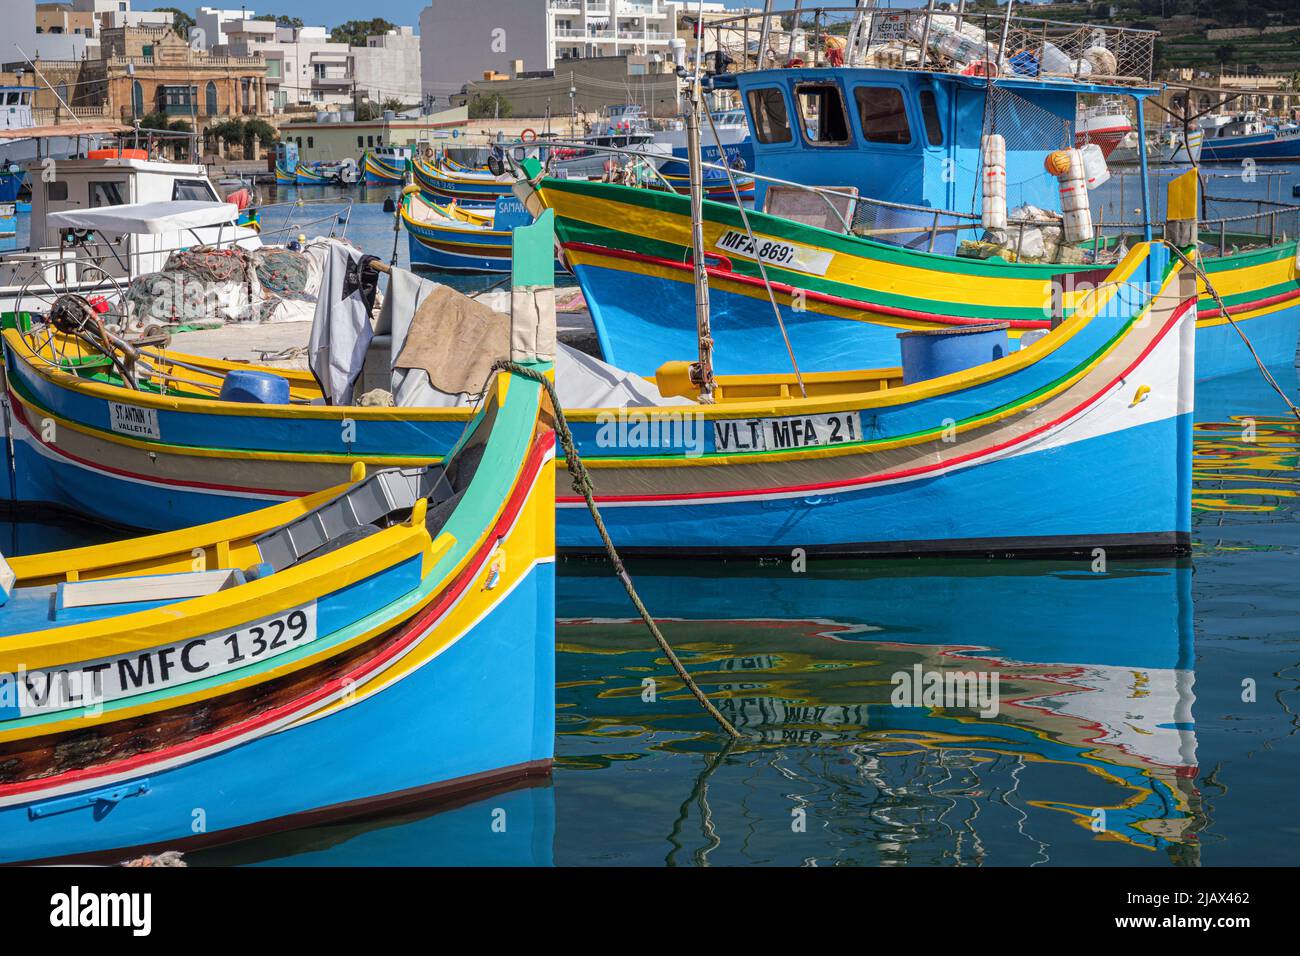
{"x": 118, "y": 13}
{"x": 461, "y": 41}
{"x": 388, "y": 66}
{"x": 303, "y": 67}
{"x": 609, "y": 27}
{"x": 214, "y": 22}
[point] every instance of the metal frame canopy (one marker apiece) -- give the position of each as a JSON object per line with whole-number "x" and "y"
{"x": 147, "y": 218}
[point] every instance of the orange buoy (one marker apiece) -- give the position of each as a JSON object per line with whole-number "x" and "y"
{"x": 1057, "y": 162}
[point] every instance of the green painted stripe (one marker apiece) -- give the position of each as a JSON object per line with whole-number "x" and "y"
{"x": 574, "y": 231}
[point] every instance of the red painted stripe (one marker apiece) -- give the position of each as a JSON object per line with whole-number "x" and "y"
{"x": 410, "y": 633}
{"x": 1257, "y": 304}
{"x": 907, "y": 472}
{"x": 723, "y": 274}
{"x": 20, "y": 414}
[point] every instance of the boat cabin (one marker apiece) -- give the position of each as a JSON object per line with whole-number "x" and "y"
{"x": 907, "y": 137}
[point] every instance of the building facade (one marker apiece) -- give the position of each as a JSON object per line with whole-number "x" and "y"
{"x": 151, "y": 69}
{"x": 388, "y": 67}
{"x": 303, "y": 67}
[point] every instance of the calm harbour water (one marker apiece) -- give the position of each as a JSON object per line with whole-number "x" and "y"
{"x": 1122, "y": 737}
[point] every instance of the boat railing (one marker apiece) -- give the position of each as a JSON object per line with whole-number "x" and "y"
{"x": 892, "y": 221}
{"x": 339, "y": 218}
{"x": 988, "y": 43}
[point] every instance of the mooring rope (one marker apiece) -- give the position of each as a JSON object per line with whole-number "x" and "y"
{"x": 1223, "y": 309}
{"x": 582, "y": 485}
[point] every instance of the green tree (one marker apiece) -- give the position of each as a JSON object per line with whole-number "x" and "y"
{"x": 181, "y": 21}
{"x": 281, "y": 20}
{"x": 355, "y": 32}
{"x": 491, "y": 106}
{"x": 1225, "y": 53}
{"x": 158, "y": 120}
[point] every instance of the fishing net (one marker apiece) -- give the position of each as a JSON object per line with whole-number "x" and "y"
{"x": 214, "y": 286}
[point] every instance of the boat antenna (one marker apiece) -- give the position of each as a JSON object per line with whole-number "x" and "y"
{"x": 701, "y": 371}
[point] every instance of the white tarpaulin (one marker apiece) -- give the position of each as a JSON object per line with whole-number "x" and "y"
{"x": 152, "y": 218}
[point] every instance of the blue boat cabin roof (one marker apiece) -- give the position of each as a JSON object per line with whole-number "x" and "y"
{"x": 906, "y": 136}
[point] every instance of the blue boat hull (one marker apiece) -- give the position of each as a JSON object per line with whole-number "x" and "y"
{"x": 1075, "y": 505}
{"x": 1261, "y": 146}
{"x": 441, "y": 731}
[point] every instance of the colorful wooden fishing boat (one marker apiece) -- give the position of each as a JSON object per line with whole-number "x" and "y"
{"x": 450, "y": 238}
{"x": 284, "y": 177}
{"x": 382, "y": 642}
{"x": 305, "y": 175}
{"x": 383, "y": 170}
{"x": 1097, "y": 411}
{"x": 900, "y": 153}
{"x": 442, "y": 185}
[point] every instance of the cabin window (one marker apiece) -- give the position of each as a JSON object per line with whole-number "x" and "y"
{"x": 821, "y": 111}
{"x": 884, "y": 118}
{"x": 930, "y": 116}
{"x": 56, "y": 191}
{"x": 105, "y": 194}
{"x": 771, "y": 121}
{"x": 187, "y": 190}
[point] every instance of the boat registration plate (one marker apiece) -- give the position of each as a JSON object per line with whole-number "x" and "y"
{"x": 776, "y": 252}
{"x": 794, "y": 431}
{"x": 158, "y": 668}
{"x": 132, "y": 420}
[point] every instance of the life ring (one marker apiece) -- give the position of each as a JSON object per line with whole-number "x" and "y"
{"x": 528, "y": 136}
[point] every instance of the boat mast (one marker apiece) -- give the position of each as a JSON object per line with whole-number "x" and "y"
{"x": 701, "y": 371}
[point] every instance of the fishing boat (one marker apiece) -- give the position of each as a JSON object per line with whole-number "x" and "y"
{"x": 1104, "y": 123}
{"x": 12, "y": 180}
{"x": 442, "y": 185}
{"x": 383, "y": 642}
{"x": 877, "y": 461}
{"x": 1249, "y": 136}
{"x": 870, "y": 218}
{"x": 143, "y": 209}
{"x": 386, "y": 165}
{"x": 449, "y": 238}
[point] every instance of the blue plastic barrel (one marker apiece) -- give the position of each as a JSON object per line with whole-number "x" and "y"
{"x": 257, "y": 387}
{"x": 934, "y": 352}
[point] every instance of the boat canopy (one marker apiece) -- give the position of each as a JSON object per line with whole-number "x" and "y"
{"x": 70, "y": 130}
{"x": 152, "y": 218}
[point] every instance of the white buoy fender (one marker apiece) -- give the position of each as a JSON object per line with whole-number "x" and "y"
{"x": 994, "y": 215}
{"x": 1075, "y": 210}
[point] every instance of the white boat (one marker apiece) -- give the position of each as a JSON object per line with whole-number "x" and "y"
{"x": 1105, "y": 124}
{"x": 86, "y": 259}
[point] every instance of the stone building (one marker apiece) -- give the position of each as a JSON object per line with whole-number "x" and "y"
{"x": 151, "y": 69}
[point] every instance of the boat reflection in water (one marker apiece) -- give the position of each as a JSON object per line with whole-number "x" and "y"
{"x": 1092, "y": 744}
{"x": 514, "y": 827}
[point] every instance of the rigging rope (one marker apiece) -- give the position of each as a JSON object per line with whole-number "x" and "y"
{"x": 582, "y": 485}
{"x": 1223, "y": 309}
